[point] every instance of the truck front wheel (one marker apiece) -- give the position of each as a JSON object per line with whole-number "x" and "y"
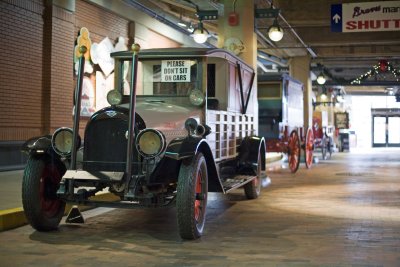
{"x": 191, "y": 200}
{"x": 40, "y": 183}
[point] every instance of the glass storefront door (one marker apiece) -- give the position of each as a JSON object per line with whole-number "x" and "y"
{"x": 379, "y": 131}
{"x": 386, "y": 131}
{"x": 393, "y": 131}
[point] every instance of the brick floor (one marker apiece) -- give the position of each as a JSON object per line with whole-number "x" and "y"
{"x": 343, "y": 212}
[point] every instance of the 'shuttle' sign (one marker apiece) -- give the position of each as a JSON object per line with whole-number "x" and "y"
{"x": 366, "y": 17}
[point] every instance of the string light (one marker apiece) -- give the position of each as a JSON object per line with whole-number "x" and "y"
{"x": 382, "y": 67}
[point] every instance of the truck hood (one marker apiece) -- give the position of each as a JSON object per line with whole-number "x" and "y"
{"x": 167, "y": 116}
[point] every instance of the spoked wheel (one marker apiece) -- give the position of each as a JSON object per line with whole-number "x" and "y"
{"x": 309, "y": 148}
{"x": 329, "y": 146}
{"x": 253, "y": 189}
{"x": 40, "y": 183}
{"x": 324, "y": 148}
{"x": 294, "y": 151}
{"x": 191, "y": 200}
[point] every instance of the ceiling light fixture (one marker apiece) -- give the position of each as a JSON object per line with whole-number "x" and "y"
{"x": 321, "y": 78}
{"x": 275, "y": 32}
{"x": 323, "y": 96}
{"x": 200, "y": 34}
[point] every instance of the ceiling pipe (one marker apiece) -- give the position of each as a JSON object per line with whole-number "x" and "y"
{"x": 156, "y": 15}
{"x": 261, "y": 56}
{"x": 278, "y": 61}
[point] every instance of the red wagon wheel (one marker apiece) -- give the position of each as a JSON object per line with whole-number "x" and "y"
{"x": 309, "y": 148}
{"x": 294, "y": 150}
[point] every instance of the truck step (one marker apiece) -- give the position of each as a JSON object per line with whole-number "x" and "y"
{"x": 240, "y": 180}
{"x": 237, "y": 181}
{"x": 100, "y": 176}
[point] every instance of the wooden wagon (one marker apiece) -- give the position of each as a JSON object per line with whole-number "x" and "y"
{"x": 281, "y": 121}
{"x": 323, "y": 134}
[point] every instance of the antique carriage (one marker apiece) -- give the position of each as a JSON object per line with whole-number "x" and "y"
{"x": 323, "y": 133}
{"x": 181, "y": 123}
{"x": 281, "y": 120}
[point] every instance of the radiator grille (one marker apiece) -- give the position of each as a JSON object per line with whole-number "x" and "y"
{"x": 105, "y": 145}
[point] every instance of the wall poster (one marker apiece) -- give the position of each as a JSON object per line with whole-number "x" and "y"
{"x": 342, "y": 120}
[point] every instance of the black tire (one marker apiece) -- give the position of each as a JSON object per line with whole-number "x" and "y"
{"x": 191, "y": 200}
{"x": 40, "y": 183}
{"x": 253, "y": 189}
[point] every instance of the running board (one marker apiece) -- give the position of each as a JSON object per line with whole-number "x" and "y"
{"x": 236, "y": 182}
{"x": 98, "y": 175}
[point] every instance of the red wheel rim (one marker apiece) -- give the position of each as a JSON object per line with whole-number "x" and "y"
{"x": 309, "y": 148}
{"x": 199, "y": 202}
{"x": 294, "y": 155}
{"x": 49, "y": 181}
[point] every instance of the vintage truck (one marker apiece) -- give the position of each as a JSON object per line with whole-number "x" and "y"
{"x": 184, "y": 123}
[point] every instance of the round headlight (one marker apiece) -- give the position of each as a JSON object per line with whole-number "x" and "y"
{"x": 150, "y": 143}
{"x": 114, "y": 97}
{"x": 196, "y": 97}
{"x": 62, "y": 141}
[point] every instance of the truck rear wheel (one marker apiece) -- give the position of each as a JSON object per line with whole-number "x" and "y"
{"x": 191, "y": 200}
{"x": 253, "y": 189}
{"x": 40, "y": 183}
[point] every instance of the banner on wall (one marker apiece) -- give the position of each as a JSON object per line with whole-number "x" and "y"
{"x": 87, "y": 104}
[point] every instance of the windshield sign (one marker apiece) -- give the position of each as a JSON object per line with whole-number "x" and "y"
{"x": 175, "y": 70}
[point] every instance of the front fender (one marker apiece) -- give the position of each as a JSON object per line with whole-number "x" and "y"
{"x": 186, "y": 148}
{"x": 182, "y": 148}
{"x": 38, "y": 145}
{"x": 248, "y": 153}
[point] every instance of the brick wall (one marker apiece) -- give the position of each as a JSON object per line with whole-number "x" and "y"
{"x": 61, "y": 85}
{"x": 36, "y": 70}
{"x": 21, "y": 73}
{"x": 100, "y": 22}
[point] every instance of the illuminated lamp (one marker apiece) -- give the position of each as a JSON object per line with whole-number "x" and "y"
{"x": 200, "y": 34}
{"x": 321, "y": 78}
{"x": 275, "y": 32}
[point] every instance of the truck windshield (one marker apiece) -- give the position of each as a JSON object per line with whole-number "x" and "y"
{"x": 171, "y": 77}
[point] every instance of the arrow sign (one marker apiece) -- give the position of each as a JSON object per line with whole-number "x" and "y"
{"x": 366, "y": 17}
{"x": 336, "y": 18}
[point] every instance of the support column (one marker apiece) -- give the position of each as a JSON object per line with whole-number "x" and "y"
{"x": 244, "y": 31}
{"x": 300, "y": 70}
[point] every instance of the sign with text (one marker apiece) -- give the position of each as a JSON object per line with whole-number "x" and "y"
{"x": 175, "y": 71}
{"x": 366, "y": 17}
